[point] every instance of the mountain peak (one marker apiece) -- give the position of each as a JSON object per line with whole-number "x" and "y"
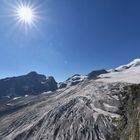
{"x": 32, "y": 73}
{"x": 134, "y": 63}
{"x": 29, "y": 84}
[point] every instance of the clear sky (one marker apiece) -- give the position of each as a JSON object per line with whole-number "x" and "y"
{"x": 71, "y": 36}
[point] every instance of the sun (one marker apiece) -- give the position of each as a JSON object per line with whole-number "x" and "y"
{"x": 25, "y": 14}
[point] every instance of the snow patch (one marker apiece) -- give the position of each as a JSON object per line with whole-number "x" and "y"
{"x": 16, "y": 98}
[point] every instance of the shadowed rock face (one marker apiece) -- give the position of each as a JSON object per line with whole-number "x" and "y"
{"x": 86, "y": 111}
{"x": 31, "y": 84}
{"x": 96, "y": 73}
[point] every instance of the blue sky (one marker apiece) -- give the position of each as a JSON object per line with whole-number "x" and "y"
{"x": 72, "y": 36}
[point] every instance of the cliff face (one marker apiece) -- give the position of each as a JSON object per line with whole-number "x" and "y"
{"x": 129, "y": 125}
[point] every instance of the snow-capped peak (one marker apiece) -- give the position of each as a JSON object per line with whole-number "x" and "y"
{"x": 134, "y": 63}
{"x": 129, "y": 73}
{"x": 74, "y": 80}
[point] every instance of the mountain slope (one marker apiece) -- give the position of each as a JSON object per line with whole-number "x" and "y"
{"x": 81, "y": 112}
{"x": 101, "y": 108}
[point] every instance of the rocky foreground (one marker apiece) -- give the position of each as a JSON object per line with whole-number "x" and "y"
{"x": 90, "y": 110}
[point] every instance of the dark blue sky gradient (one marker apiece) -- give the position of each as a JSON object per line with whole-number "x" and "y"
{"x": 72, "y": 36}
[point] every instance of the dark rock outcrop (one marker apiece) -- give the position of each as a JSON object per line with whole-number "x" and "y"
{"x": 31, "y": 84}
{"x": 62, "y": 85}
{"x": 96, "y": 73}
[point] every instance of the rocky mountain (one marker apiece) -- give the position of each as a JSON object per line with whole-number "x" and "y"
{"x": 30, "y": 84}
{"x": 74, "y": 80}
{"x": 101, "y": 108}
{"x": 77, "y": 78}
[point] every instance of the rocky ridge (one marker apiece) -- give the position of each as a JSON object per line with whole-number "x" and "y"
{"x": 30, "y": 84}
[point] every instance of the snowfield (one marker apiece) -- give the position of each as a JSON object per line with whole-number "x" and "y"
{"x": 129, "y": 73}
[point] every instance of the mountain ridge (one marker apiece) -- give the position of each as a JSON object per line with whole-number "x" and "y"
{"x": 29, "y": 84}
{"x": 41, "y": 83}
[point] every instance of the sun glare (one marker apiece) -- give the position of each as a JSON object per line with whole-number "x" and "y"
{"x": 25, "y": 14}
